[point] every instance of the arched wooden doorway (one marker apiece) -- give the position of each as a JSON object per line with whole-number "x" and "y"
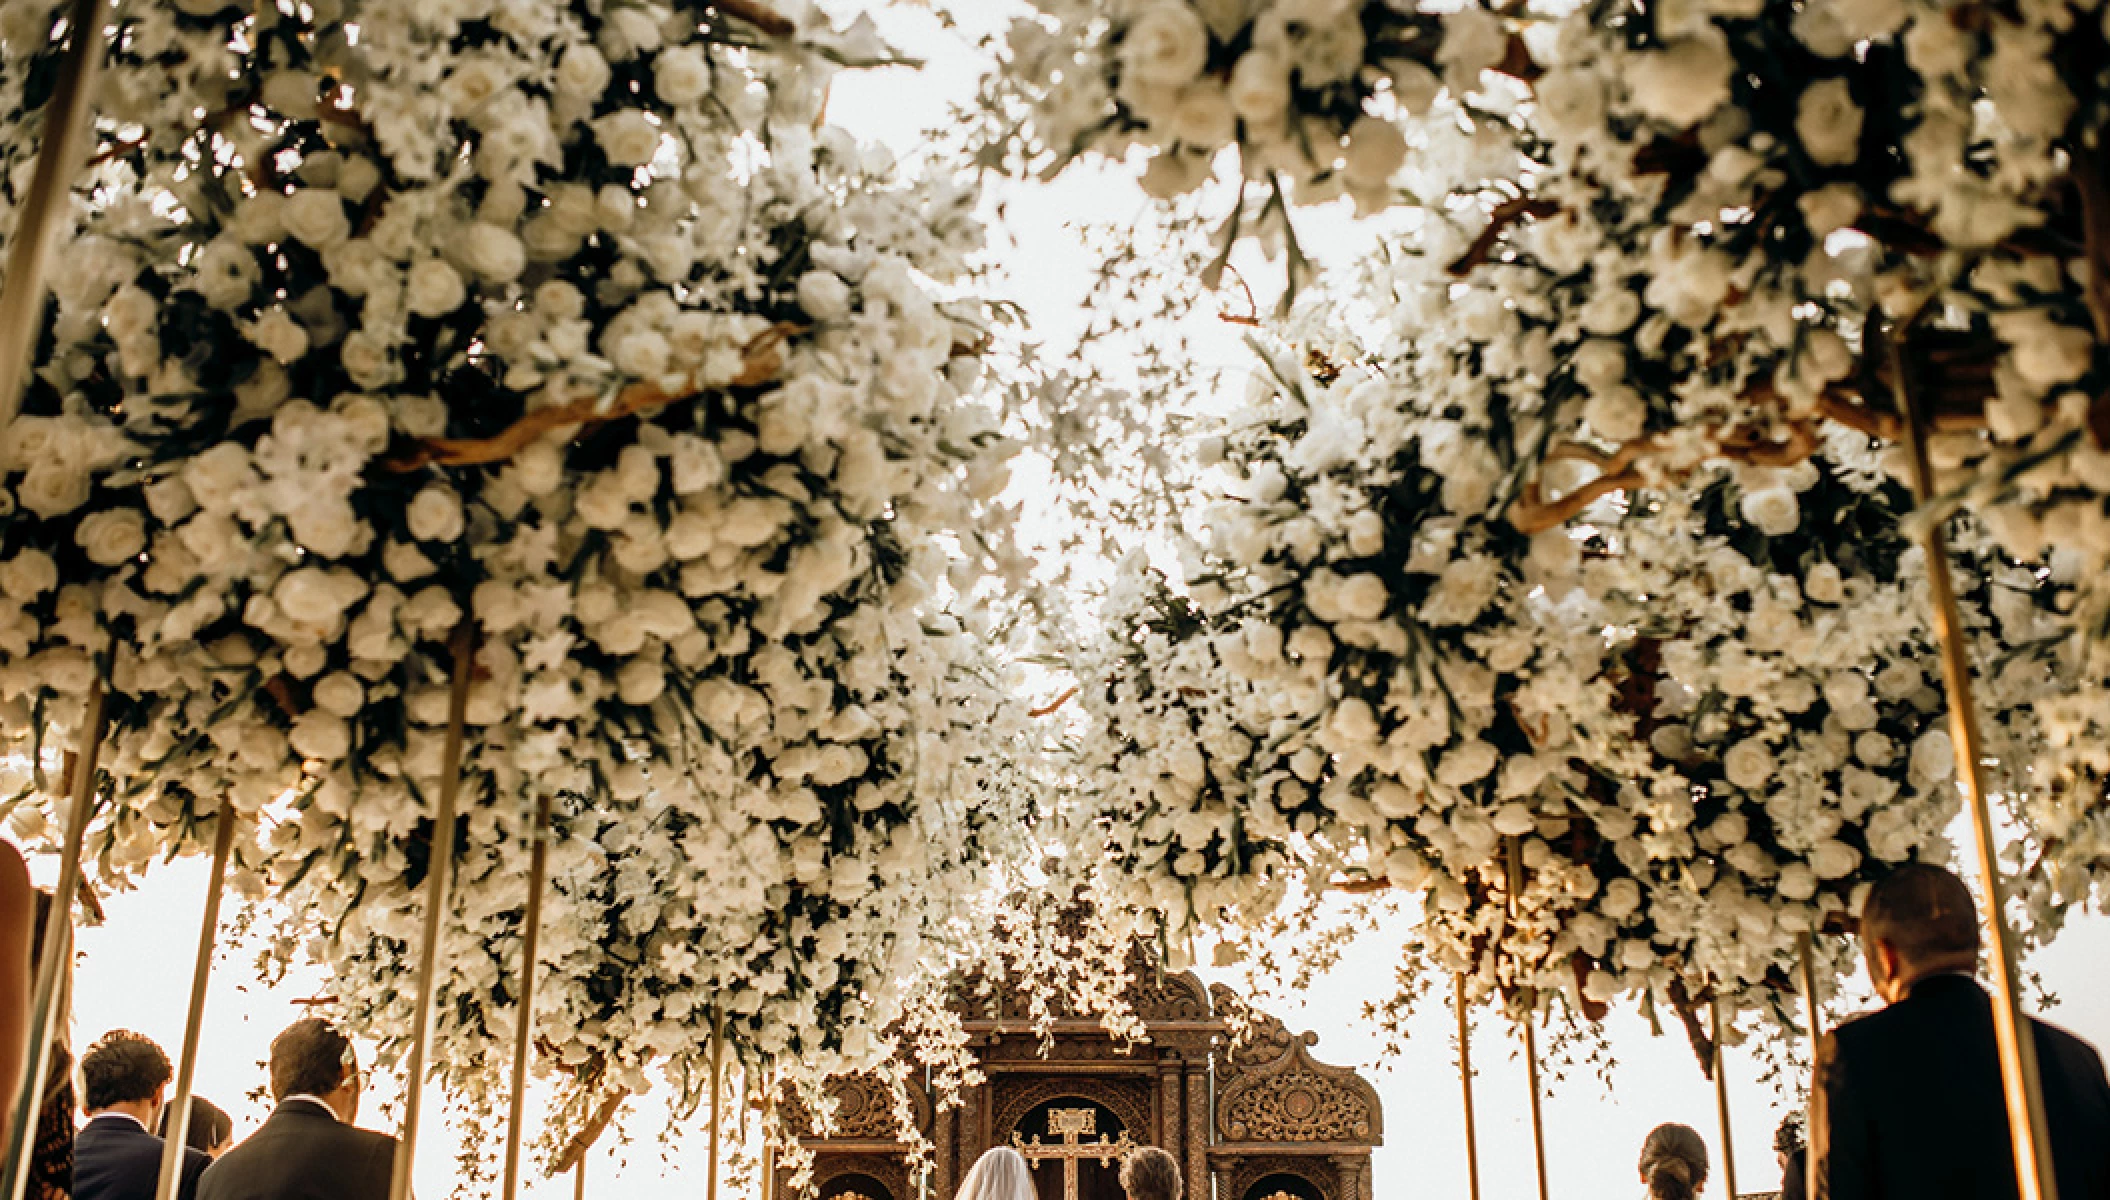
{"x": 1283, "y": 1186}
{"x": 855, "y": 1187}
{"x": 1068, "y": 1130}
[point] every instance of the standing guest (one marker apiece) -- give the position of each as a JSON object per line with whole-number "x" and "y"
{"x": 1908, "y": 1100}
{"x": 1674, "y": 1162}
{"x": 51, "y": 1151}
{"x": 308, "y": 1149}
{"x": 116, "y": 1155}
{"x": 1149, "y": 1173}
{"x": 1000, "y": 1174}
{"x": 211, "y": 1129}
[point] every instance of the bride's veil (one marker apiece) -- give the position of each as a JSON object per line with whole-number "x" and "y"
{"x": 1001, "y": 1174}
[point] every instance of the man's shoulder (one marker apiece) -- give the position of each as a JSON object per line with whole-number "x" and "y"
{"x": 2068, "y": 1050}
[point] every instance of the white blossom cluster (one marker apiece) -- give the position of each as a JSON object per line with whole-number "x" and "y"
{"x": 565, "y": 333}
{"x": 1312, "y": 93}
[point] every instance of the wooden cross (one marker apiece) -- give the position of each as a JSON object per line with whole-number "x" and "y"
{"x": 1072, "y": 1125}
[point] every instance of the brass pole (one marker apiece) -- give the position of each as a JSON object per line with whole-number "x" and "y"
{"x": 578, "y": 1180}
{"x": 1529, "y": 1023}
{"x": 53, "y": 962}
{"x": 1806, "y": 957}
{"x": 2017, "y": 1045}
{"x": 717, "y": 1082}
{"x": 1721, "y": 1098}
{"x": 176, "y": 1130}
{"x": 44, "y": 205}
{"x": 439, "y": 876}
{"x": 1465, "y": 1082}
{"x": 530, "y": 947}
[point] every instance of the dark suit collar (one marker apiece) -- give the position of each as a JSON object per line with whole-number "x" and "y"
{"x": 304, "y": 1108}
{"x": 117, "y": 1122}
{"x": 1946, "y": 985}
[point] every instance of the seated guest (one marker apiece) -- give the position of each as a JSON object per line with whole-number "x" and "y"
{"x": 1149, "y": 1173}
{"x": 308, "y": 1149}
{"x": 211, "y": 1129}
{"x": 116, "y": 1155}
{"x": 1908, "y": 1101}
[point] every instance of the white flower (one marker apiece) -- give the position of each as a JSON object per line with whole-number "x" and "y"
{"x": 112, "y": 536}
{"x": 278, "y": 335}
{"x": 1828, "y": 123}
{"x": 627, "y": 137}
{"x": 1833, "y": 859}
{"x": 1831, "y": 207}
{"x": 1203, "y": 117}
{"x": 1376, "y": 149}
{"x": 1571, "y": 101}
{"x": 316, "y": 217}
{"x": 1749, "y": 764}
{"x": 582, "y": 73}
{"x": 1617, "y": 414}
{"x": 434, "y": 289}
{"x": 1174, "y": 173}
{"x": 1467, "y": 762}
{"x": 435, "y": 514}
{"x": 1474, "y": 40}
{"x": 321, "y": 735}
{"x": 492, "y": 252}
{"x": 681, "y": 76}
{"x": 1823, "y": 584}
{"x": 1167, "y": 45}
{"x": 28, "y": 575}
{"x": 1933, "y": 757}
{"x": 1775, "y": 511}
{"x": 1684, "y": 82}
{"x": 339, "y": 693}
{"x": 824, "y": 296}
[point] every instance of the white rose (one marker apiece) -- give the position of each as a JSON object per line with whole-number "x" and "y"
{"x": 680, "y": 75}
{"x": 339, "y": 693}
{"x": 278, "y": 335}
{"x": 824, "y": 296}
{"x": 358, "y": 178}
{"x": 1376, "y": 149}
{"x": 1168, "y": 45}
{"x": 1797, "y": 882}
{"x": 315, "y": 597}
{"x": 1466, "y": 763}
{"x": 320, "y": 734}
{"x": 582, "y": 73}
{"x": 260, "y": 219}
{"x": 1833, "y": 859}
{"x": 1773, "y": 510}
{"x": 1172, "y": 174}
{"x": 1474, "y": 40}
{"x": 435, "y": 514}
{"x": 1828, "y": 123}
{"x": 1831, "y": 207}
{"x": 1825, "y": 585}
{"x": 1259, "y": 89}
{"x": 1571, "y": 101}
{"x": 315, "y": 216}
{"x": 1361, "y": 597}
{"x": 28, "y": 575}
{"x": 1203, "y": 116}
{"x": 1610, "y": 312}
{"x": 1617, "y": 414}
{"x": 1749, "y": 764}
{"x": 627, "y": 137}
{"x": 1933, "y": 757}
{"x": 492, "y": 252}
{"x": 1685, "y": 82}
{"x": 434, "y": 289}
{"x": 112, "y": 536}
{"x": 227, "y": 273}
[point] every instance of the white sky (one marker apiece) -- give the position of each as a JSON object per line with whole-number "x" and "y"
{"x": 135, "y": 971}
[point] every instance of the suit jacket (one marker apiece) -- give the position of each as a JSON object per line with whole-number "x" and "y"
{"x": 1908, "y": 1104}
{"x": 115, "y": 1158}
{"x": 303, "y": 1152}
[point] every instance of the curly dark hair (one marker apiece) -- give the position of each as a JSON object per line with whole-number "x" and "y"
{"x": 122, "y": 1067}
{"x": 310, "y": 1058}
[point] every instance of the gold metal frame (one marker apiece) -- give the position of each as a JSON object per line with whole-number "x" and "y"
{"x": 717, "y": 1087}
{"x": 524, "y": 1036}
{"x": 177, "y": 1128}
{"x": 52, "y": 963}
{"x": 1721, "y": 1096}
{"x": 2011, "y": 1029}
{"x": 1806, "y": 957}
{"x": 1514, "y": 861}
{"x": 439, "y": 878}
{"x": 1465, "y": 1083}
{"x": 44, "y": 206}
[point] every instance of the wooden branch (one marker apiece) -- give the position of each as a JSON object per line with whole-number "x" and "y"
{"x": 758, "y": 15}
{"x": 1507, "y": 213}
{"x": 1050, "y": 708}
{"x": 763, "y": 360}
{"x": 1532, "y": 514}
{"x": 583, "y": 1141}
{"x": 1367, "y": 886}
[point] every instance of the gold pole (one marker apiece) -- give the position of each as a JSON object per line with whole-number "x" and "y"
{"x": 524, "y": 1036}
{"x": 1721, "y": 1098}
{"x": 1529, "y": 1023}
{"x": 1465, "y": 1081}
{"x": 44, "y": 205}
{"x": 578, "y": 1177}
{"x": 717, "y": 1082}
{"x": 2017, "y": 1045}
{"x": 176, "y": 1130}
{"x": 58, "y": 924}
{"x": 438, "y": 878}
{"x": 1807, "y": 959}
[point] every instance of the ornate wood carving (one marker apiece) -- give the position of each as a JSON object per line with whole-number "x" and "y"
{"x": 891, "y": 1171}
{"x": 1317, "y": 1173}
{"x": 864, "y": 1111}
{"x": 1272, "y": 1092}
{"x": 1127, "y": 1099}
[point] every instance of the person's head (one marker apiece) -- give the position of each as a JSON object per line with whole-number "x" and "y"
{"x": 1000, "y": 1174}
{"x": 211, "y": 1129}
{"x": 1673, "y": 1162}
{"x": 1787, "y": 1139}
{"x": 1918, "y": 921}
{"x": 312, "y": 1059}
{"x": 1149, "y": 1173}
{"x": 124, "y": 1072}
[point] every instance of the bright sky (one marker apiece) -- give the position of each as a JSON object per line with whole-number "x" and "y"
{"x": 135, "y": 971}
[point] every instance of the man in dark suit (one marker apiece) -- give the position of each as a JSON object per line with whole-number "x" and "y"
{"x": 116, "y": 1156}
{"x": 308, "y": 1149}
{"x": 1908, "y": 1102}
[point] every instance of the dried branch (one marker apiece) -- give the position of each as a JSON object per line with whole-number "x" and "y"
{"x": 758, "y": 15}
{"x": 1508, "y": 213}
{"x": 583, "y": 1141}
{"x": 1050, "y": 708}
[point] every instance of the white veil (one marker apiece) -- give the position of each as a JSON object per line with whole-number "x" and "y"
{"x": 1001, "y": 1174}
